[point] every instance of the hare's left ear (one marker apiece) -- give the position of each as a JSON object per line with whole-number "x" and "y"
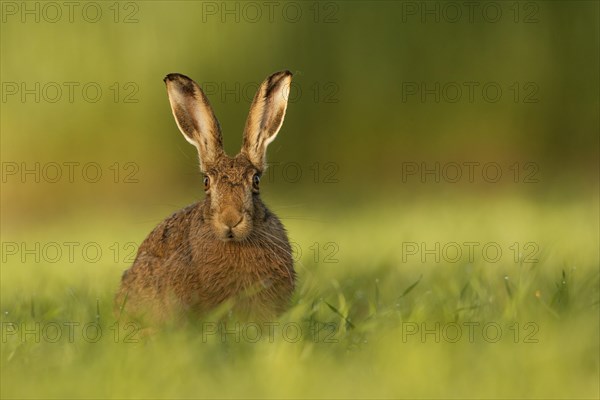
{"x": 266, "y": 117}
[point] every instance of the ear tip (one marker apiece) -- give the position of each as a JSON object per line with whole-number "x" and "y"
{"x": 278, "y": 76}
{"x": 174, "y": 76}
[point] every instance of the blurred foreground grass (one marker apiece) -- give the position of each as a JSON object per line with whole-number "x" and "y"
{"x": 371, "y": 318}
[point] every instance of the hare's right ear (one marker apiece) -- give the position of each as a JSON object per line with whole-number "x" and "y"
{"x": 195, "y": 118}
{"x": 266, "y": 116}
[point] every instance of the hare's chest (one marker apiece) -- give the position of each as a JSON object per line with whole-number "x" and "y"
{"x": 232, "y": 271}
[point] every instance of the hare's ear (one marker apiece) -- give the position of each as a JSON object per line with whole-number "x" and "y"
{"x": 195, "y": 118}
{"x": 266, "y": 116}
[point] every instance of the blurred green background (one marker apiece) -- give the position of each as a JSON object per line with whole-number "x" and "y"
{"x": 355, "y": 70}
{"x": 383, "y": 92}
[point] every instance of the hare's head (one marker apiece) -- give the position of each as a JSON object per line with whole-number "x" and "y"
{"x": 231, "y": 183}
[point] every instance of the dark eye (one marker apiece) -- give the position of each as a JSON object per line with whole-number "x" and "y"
{"x": 256, "y": 180}
{"x": 206, "y": 182}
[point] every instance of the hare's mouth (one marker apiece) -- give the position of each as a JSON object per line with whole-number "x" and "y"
{"x": 233, "y": 234}
{"x": 232, "y": 237}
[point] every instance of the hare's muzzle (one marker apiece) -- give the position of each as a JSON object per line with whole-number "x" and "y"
{"x": 231, "y": 224}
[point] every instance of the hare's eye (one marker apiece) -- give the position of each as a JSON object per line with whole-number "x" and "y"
{"x": 206, "y": 182}
{"x": 256, "y": 180}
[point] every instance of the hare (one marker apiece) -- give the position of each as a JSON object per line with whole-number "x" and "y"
{"x": 228, "y": 247}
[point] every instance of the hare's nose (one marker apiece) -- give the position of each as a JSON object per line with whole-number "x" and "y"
{"x": 231, "y": 217}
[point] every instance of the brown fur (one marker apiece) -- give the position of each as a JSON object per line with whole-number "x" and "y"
{"x": 228, "y": 247}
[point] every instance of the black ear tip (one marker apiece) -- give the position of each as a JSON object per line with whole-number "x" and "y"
{"x": 169, "y": 77}
{"x": 279, "y": 75}
{"x": 175, "y": 76}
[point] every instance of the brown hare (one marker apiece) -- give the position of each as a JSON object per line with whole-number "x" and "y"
{"x": 228, "y": 247}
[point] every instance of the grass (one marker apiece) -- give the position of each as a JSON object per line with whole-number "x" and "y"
{"x": 370, "y": 319}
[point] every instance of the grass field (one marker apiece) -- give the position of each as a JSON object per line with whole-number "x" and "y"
{"x": 385, "y": 307}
